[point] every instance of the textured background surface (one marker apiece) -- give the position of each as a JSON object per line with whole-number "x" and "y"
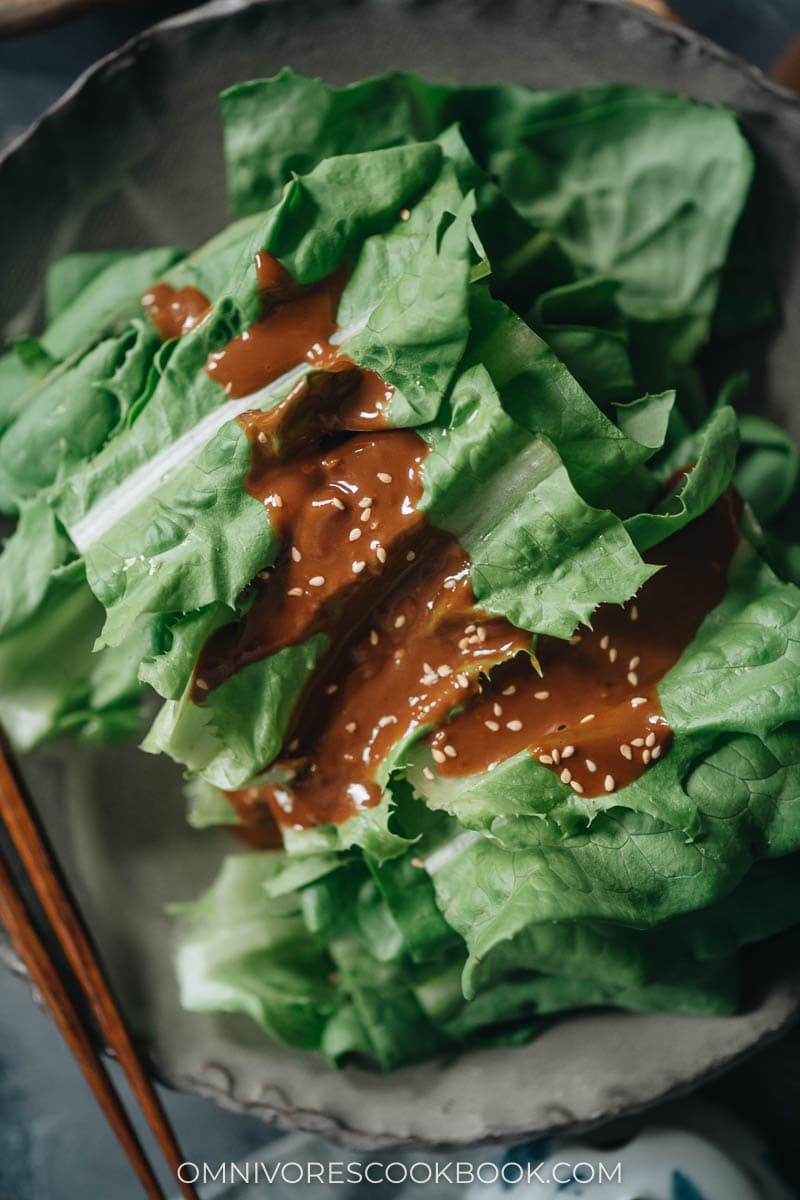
{"x": 53, "y": 1144}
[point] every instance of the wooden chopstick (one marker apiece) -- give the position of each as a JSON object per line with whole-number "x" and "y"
{"x": 19, "y": 922}
{"x": 31, "y": 844}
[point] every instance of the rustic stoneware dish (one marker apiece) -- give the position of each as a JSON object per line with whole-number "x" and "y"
{"x": 132, "y": 157}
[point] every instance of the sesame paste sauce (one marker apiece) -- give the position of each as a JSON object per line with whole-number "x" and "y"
{"x": 407, "y": 646}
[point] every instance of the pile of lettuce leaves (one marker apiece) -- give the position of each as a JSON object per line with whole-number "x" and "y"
{"x": 550, "y": 281}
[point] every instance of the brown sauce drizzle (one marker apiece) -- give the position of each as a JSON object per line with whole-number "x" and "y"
{"x": 175, "y": 312}
{"x": 593, "y": 716}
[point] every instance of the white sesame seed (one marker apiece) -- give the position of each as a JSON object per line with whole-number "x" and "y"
{"x": 462, "y": 681}
{"x": 380, "y": 554}
{"x": 633, "y": 678}
{"x": 637, "y": 701}
{"x": 609, "y": 783}
{"x": 655, "y": 753}
{"x": 568, "y": 752}
{"x": 634, "y": 613}
{"x": 373, "y": 637}
{"x": 443, "y": 671}
{"x": 514, "y": 726}
{"x": 430, "y": 680}
{"x": 262, "y": 437}
{"x": 331, "y": 689}
{"x": 497, "y": 709}
{"x": 365, "y": 502}
{"x": 463, "y": 643}
{"x": 296, "y": 555}
{"x": 275, "y": 500}
{"x": 358, "y": 567}
{"x": 317, "y": 581}
{"x": 576, "y": 787}
{"x": 437, "y": 755}
{"x": 546, "y": 759}
{"x": 626, "y": 751}
{"x": 449, "y": 585}
{"x": 450, "y": 751}
{"x": 650, "y": 740}
{"x": 201, "y": 683}
{"x": 633, "y": 664}
{"x": 492, "y": 725}
{"x": 428, "y": 669}
{"x": 405, "y": 214}
{"x": 410, "y": 556}
{"x": 337, "y": 503}
{"x": 351, "y": 726}
{"x": 354, "y": 535}
{"x": 295, "y": 592}
{"x": 591, "y": 765}
{"x": 428, "y": 773}
{"x": 399, "y": 622}
{"x": 556, "y": 756}
{"x": 541, "y": 695}
{"x": 366, "y": 513}
{"x": 585, "y": 720}
{"x": 384, "y": 477}
{"x": 604, "y": 640}
{"x": 384, "y": 721}
{"x": 612, "y": 655}
{"x": 566, "y": 775}
{"x": 509, "y": 691}
{"x": 646, "y": 757}
{"x": 637, "y": 741}
{"x": 469, "y": 629}
{"x": 481, "y": 634}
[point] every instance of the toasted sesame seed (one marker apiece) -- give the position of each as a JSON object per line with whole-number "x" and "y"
{"x": 604, "y": 640}
{"x": 373, "y": 637}
{"x": 509, "y": 691}
{"x": 366, "y": 513}
{"x": 293, "y": 744}
{"x": 365, "y": 502}
{"x": 331, "y": 689}
{"x": 556, "y": 756}
{"x": 337, "y": 503}
{"x": 576, "y": 787}
{"x": 262, "y": 437}
{"x": 514, "y": 726}
{"x": 410, "y": 556}
{"x": 469, "y": 628}
{"x": 462, "y": 681}
{"x": 546, "y": 759}
{"x": 419, "y": 863}
{"x": 566, "y": 775}
{"x": 358, "y": 567}
{"x": 464, "y": 643}
{"x": 481, "y": 634}
{"x": 637, "y": 701}
{"x": 612, "y": 654}
{"x": 380, "y": 554}
{"x": 633, "y": 664}
{"x": 384, "y": 477}
{"x": 633, "y": 678}
{"x": 650, "y": 740}
{"x": 492, "y": 725}
{"x": 450, "y": 751}
{"x": 296, "y": 555}
{"x": 201, "y": 683}
{"x": 637, "y": 741}
{"x": 626, "y": 751}
{"x": 317, "y": 581}
{"x": 655, "y": 753}
{"x": 275, "y": 500}
{"x": 609, "y": 783}
{"x": 541, "y": 695}
{"x": 438, "y": 756}
{"x": 351, "y": 726}
{"x": 497, "y": 709}
{"x": 399, "y": 622}
{"x": 568, "y": 752}
{"x": 646, "y": 757}
{"x": 428, "y": 773}
{"x": 295, "y": 592}
{"x": 575, "y": 640}
{"x": 443, "y": 671}
{"x": 585, "y": 720}
{"x": 634, "y": 613}
{"x": 354, "y": 535}
{"x": 405, "y": 214}
{"x": 263, "y": 574}
{"x": 591, "y": 765}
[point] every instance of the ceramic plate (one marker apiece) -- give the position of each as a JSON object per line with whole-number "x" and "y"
{"x": 132, "y": 157}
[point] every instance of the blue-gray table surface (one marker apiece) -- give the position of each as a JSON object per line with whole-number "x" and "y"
{"x": 54, "y": 1145}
